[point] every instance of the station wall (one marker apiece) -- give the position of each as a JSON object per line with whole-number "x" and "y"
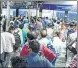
{"x": 45, "y": 13}
{"x": 12, "y": 12}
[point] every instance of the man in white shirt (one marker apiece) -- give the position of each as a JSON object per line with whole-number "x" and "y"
{"x": 8, "y": 42}
{"x": 44, "y": 40}
{"x": 58, "y": 44}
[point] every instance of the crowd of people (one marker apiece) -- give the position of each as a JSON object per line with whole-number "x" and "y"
{"x": 38, "y": 42}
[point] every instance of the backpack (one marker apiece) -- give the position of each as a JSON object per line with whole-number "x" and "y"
{"x": 24, "y": 51}
{"x": 47, "y": 53}
{"x": 72, "y": 49}
{"x": 17, "y": 40}
{"x": 52, "y": 49}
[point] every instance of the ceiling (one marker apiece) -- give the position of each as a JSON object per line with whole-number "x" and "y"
{"x": 38, "y": 0}
{"x": 63, "y": 2}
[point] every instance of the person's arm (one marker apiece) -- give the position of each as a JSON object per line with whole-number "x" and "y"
{"x": 70, "y": 44}
{"x": 72, "y": 49}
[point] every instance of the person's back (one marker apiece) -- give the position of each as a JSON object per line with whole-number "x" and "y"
{"x": 26, "y": 23}
{"x": 57, "y": 43}
{"x": 40, "y": 26}
{"x": 36, "y": 60}
{"x": 44, "y": 39}
{"x": 9, "y": 41}
{"x": 23, "y": 34}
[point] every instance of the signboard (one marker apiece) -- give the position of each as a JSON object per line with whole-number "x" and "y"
{"x": 58, "y": 7}
{"x": 44, "y": 6}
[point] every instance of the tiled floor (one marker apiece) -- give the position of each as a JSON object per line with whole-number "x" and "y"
{"x": 61, "y": 61}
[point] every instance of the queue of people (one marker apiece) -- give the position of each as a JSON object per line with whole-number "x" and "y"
{"x": 37, "y": 43}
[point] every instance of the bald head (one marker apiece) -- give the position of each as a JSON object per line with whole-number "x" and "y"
{"x": 43, "y": 33}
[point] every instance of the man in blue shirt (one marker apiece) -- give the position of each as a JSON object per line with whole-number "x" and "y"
{"x": 35, "y": 59}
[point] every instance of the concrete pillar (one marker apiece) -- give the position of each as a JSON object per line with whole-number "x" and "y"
{"x": 40, "y": 12}
{"x": 37, "y": 11}
{"x": 8, "y": 10}
{"x": 17, "y": 12}
{"x": 0, "y": 26}
{"x": 29, "y": 15}
{"x": 66, "y": 17}
{"x": 8, "y": 15}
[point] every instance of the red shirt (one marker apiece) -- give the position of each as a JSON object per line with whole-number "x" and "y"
{"x": 24, "y": 51}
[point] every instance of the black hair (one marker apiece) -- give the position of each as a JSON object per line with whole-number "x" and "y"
{"x": 30, "y": 36}
{"x": 34, "y": 45}
{"x": 58, "y": 22}
{"x": 21, "y": 26}
{"x": 34, "y": 33}
{"x": 46, "y": 17}
{"x": 57, "y": 33}
{"x": 18, "y": 62}
{"x": 27, "y": 17}
{"x": 72, "y": 24}
{"x": 54, "y": 20}
{"x": 13, "y": 18}
{"x": 31, "y": 27}
{"x": 11, "y": 28}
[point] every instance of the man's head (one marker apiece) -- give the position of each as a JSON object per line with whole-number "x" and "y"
{"x": 11, "y": 29}
{"x": 21, "y": 26}
{"x": 31, "y": 27}
{"x": 66, "y": 25}
{"x": 32, "y": 35}
{"x": 54, "y": 20}
{"x": 18, "y": 62}
{"x": 72, "y": 24}
{"x": 46, "y": 17}
{"x": 34, "y": 46}
{"x": 43, "y": 33}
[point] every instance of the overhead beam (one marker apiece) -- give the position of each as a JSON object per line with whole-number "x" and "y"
{"x": 39, "y": 0}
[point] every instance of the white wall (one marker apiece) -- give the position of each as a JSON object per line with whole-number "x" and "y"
{"x": 4, "y": 11}
{"x": 49, "y": 13}
{"x": 32, "y": 11}
{"x": 61, "y": 2}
